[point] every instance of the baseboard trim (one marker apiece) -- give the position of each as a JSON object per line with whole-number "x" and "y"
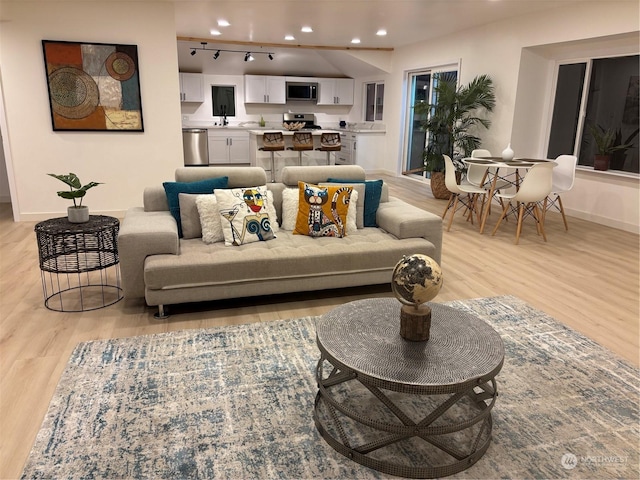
{"x": 599, "y": 219}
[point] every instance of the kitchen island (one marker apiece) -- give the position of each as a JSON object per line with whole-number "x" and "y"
{"x": 260, "y": 158}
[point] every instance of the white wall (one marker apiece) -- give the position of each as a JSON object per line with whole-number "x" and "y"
{"x": 497, "y": 50}
{"x": 125, "y": 162}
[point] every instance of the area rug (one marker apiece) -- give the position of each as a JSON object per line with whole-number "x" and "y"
{"x": 236, "y": 403}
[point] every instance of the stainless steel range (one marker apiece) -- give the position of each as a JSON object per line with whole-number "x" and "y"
{"x": 309, "y": 120}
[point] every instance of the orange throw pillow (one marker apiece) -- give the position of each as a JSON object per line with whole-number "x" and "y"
{"x": 322, "y": 211}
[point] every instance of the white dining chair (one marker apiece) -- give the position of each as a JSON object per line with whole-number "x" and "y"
{"x": 466, "y": 195}
{"x": 477, "y": 174}
{"x": 535, "y": 187}
{"x": 564, "y": 176}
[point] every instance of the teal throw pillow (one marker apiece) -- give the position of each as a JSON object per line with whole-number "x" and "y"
{"x": 173, "y": 189}
{"x": 372, "y": 195}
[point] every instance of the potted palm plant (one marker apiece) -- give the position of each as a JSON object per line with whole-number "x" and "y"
{"x": 77, "y": 213}
{"x": 451, "y": 123}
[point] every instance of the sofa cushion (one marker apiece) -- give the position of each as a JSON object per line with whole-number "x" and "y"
{"x": 189, "y": 215}
{"x": 356, "y": 200}
{"x": 210, "y": 220}
{"x": 173, "y": 189}
{"x": 372, "y": 195}
{"x": 245, "y": 216}
{"x": 290, "y": 197}
{"x": 322, "y": 211}
{"x": 289, "y": 256}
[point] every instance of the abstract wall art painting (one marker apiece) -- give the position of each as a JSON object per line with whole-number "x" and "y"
{"x": 93, "y": 86}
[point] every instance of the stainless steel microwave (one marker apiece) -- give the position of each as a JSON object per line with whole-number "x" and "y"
{"x": 301, "y": 91}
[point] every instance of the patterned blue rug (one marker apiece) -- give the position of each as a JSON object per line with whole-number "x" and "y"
{"x": 236, "y": 403}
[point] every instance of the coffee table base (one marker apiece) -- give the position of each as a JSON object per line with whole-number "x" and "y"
{"x": 408, "y": 435}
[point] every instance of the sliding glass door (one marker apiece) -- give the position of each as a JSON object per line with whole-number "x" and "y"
{"x": 421, "y": 86}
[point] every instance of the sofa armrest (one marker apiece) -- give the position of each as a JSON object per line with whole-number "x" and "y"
{"x": 142, "y": 234}
{"x": 406, "y": 221}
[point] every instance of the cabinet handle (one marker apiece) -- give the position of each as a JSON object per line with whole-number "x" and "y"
{"x": 231, "y": 142}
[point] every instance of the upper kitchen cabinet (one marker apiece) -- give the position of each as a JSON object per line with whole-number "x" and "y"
{"x": 264, "y": 89}
{"x": 335, "y": 91}
{"x": 191, "y": 87}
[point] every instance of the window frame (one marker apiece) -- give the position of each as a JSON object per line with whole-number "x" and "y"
{"x": 580, "y": 126}
{"x": 377, "y": 84}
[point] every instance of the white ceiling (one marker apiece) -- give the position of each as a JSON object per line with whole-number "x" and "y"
{"x": 335, "y": 23}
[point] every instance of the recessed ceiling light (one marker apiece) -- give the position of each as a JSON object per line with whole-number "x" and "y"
{"x": 306, "y": 29}
{"x": 381, "y": 32}
{"x": 215, "y": 32}
{"x": 223, "y": 23}
{"x": 355, "y": 40}
{"x": 289, "y": 37}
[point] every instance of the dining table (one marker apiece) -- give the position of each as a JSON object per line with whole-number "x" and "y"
{"x": 493, "y": 172}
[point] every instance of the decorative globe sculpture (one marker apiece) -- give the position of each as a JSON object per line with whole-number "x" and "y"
{"x": 416, "y": 279}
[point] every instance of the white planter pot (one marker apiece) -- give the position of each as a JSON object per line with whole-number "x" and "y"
{"x": 78, "y": 214}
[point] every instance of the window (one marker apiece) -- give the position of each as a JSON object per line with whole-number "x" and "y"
{"x": 601, "y": 92}
{"x": 421, "y": 89}
{"x": 223, "y": 100}
{"x": 374, "y": 102}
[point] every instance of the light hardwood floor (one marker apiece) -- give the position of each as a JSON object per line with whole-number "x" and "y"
{"x": 587, "y": 278}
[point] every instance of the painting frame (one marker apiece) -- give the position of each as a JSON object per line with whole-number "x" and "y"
{"x": 93, "y": 86}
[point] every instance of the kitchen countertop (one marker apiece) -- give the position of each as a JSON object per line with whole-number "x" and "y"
{"x": 253, "y": 126}
{"x": 290, "y": 132}
{"x": 361, "y": 130}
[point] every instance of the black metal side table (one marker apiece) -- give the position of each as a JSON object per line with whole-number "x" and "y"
{"x": 79, "y": 263}
{"x": 412, "y": 409}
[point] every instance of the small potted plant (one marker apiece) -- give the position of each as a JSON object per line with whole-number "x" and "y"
{"x": 77, "y": 213}
{"x": 606, "y": 145}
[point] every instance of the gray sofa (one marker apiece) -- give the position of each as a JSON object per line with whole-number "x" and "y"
{"x": 163, "y": 269}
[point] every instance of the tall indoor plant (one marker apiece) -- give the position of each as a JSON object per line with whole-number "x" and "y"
{"x": 77, "y": 213}
{"x": 451, "y": 123}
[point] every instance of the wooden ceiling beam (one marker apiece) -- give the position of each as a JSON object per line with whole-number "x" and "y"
{"x": 280, "y": 45}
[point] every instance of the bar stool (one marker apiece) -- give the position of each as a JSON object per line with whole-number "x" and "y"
{"x": 272, "y": 142}
{"x": 301, "y": 141}
{"x": 330, "y": 142}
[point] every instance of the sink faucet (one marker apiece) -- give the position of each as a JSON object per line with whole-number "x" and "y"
{"x": 225, "y": 122}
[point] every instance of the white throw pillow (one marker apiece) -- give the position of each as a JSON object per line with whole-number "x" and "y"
{"x": 244, "y": 214}
{"x": 209, "y": 218}
{"x": 290, "y": 198}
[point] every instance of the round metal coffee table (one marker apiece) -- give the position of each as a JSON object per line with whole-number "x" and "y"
{"x": 412, "y": 409}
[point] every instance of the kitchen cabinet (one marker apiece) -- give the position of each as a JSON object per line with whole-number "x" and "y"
{"x": 361, "y": 148}
{"x": 347, "y": 154}
{"x": 264, "y": 89}
{"x": 335, "y": 91}
{"x": 191, "y": 87}
{"x": 227, "y": 146}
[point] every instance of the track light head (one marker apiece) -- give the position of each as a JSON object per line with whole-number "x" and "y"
{"x": 216, "y": 55}
{"x": 193, "y": 52}
{"x": 270, "y": 57}
{"x": 248, "y": 57}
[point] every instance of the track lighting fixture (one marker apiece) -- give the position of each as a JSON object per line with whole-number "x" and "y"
{"x": 248, "y": 56}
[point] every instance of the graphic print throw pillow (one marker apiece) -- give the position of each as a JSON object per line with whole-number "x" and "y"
{"x": 322, "y": 211}
{"x": 244, "y": 215}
